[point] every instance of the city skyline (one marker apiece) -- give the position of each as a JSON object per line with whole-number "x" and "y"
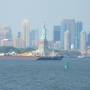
{"x": 68, "y": 35}
{"x": 46, "y": 11}
{"x": 49, "y": 35}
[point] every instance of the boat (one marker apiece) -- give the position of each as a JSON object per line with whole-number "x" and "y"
{"x": 82, "y": 56}
{"x": 50, "y": 58}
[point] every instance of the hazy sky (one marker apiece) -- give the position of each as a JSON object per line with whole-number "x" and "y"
{"x": 12, "y": 12}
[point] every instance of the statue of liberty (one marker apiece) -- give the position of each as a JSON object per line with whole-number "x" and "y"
{"x": 44, "y": 43}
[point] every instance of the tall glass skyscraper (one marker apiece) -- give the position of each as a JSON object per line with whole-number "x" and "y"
{"x": 26, "y": 33}
{"x": 67, "y": 40}
{"x": 79, "y": 28}
{"x": 57, "y": 33}
{"x": 88, "y": 39}
{"x": 58, "y": 36}
{"x": 82, "y": 41}
{"x": 34, "y": 38}
{"x": 69, "y": 24}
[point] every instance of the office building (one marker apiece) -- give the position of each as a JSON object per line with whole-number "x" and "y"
{"x": 34, "y": 38}
{"x": 25, "y": 32}
{"x": 69, "y": 24}
{"x": 82, "y": 41}
{"x": 5, "y": 32}
{"x": 88, "y": 39}
{"x": 18, "y": 41}
{"x": 56, "y": 33}
{"x": 79, "y": 28}
{"x": 67, "y": 44}
{"x": 5, "y": 36}
{"x": 6, "y": 42}
{"x": 57, "y": 36}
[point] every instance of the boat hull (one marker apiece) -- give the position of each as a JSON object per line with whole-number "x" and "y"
{"x": 50, "y": 58}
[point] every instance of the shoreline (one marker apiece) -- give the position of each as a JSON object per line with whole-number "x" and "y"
{"x": 33, "y": 58}
{"x": 18, "y": 58}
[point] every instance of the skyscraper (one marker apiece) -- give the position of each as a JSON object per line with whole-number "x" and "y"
{"x": 67, "y": 44}
{"x": 82, "y": 40}
{"x": 56, "y": 33}
{"x": 18, "y": 41}
{"x": 5, "y": 35}
{"x": 69, "y": 24}
{"x": 88, "y": 39}
{"x": 5, "y": 32}
{"x": 79, "y": 28}
{"x": 26, "y": 33}
{"x": 34, "y": 38}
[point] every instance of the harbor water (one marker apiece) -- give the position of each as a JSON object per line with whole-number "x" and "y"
{"x": 67, "y": 74}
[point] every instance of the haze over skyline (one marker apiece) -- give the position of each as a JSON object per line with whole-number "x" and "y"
{"x": 51, "y": 12}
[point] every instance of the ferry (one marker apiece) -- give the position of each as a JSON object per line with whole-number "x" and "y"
{"x": 50, "y": 58}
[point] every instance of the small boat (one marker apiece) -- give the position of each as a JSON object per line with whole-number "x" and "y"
{"x": 50, "y": 58}
{"x": 82, "y": 56}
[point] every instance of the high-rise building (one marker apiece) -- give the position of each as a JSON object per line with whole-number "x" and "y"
{"x": 62, "y": 37}
{"x": 79, "y": 28}
{"x": 69, "y": 24}
{"x": 88, "y": 39}
{"x": 6, "y": 42}
{"x": 56, "y": 33}
{"x": 5, "y": 35}
{"x": 26, "y": 33}
{"x": 82, "y": 40}
{"x": 5, "y": 32}
{"x": 34, "y": 38}
{"x": 18, "y": 41}
{"x": 67, "y": 45}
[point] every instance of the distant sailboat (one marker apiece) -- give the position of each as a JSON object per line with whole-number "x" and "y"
{"x": 82, "y": 56}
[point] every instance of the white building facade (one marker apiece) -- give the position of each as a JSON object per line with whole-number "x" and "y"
{"x": 67, "y": 44}
{"x": 82, "y": 41}
{"x": 26, "y": 33}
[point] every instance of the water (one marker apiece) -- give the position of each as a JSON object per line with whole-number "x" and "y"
{"x": 45, "y": 75}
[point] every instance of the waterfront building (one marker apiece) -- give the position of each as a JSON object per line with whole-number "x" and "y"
{"x": 82, "y": 41}
{"x": 26, "y": 33}
{"x": 67, "y": 45}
